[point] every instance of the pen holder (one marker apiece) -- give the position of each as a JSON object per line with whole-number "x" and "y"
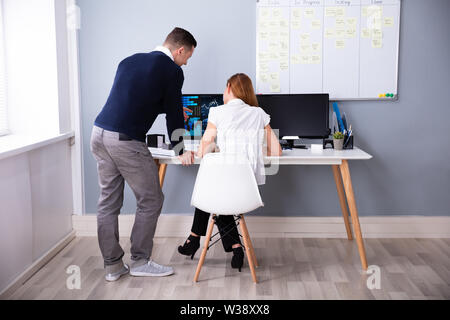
{"x": 156, "y": 140}
{"x": 348, "y": 142}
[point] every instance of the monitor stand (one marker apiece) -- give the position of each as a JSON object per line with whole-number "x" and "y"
{"x": 289, "y": 144}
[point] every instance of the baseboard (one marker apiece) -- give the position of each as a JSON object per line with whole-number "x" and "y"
{"x": 38, "y": 264}
{"x": 174, "y": 225}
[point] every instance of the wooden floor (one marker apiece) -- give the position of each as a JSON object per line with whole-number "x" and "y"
{"x": 289, "y": 269}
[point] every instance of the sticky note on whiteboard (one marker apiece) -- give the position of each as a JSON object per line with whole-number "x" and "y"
{"x": 330, "y": 11}
{"x": 377, "y": 43}
{"x": 309, "y": 12}
{"x": 365, "y": 33}
{"x": 295, "y": 59}
{"x": 275, "y": 87}
{"x": 340, "y": 44}
{"x": 388, "y": 22}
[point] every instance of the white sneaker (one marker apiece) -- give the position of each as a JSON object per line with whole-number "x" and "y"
{"x": 151, "y": 269}
{"x": 116, "y": 275}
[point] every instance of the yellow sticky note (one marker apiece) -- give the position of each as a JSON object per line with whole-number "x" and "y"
{"x": 330, "y": 11}
{"x": 365, "y": 33}
{"x": 340, "y": 44}
{"x": 284, "y": 55}
{"x": 315, "y": 59}
{"x": 340, "y": 22}
{"x": 295, "y": 59}
{"x": 305, "y": 47}
{"x": 275, "y": 87}
{"x": 274, "y": 77}
{"x": 351, "y": 21}
{"x": 273, "y": 46}
{"x": 374, "y": 23}
{"x": 264, "y": 77}
{"x": 263, "y": 56}
{"x": 284, "y": 45}
{"x": 263, "y": 24}
{"x": 315, "y": 24}
{"x": 274, "y": 56}
{"x": 264, "y": 67}
{"x": 364, "y": 11}
{"x": 296, "y": 13}
{"x": 350, "y": 33}
{"x": 273, "y": 34}
{"x": 274, "y": 24}
{"x": 296, "y": 24}
{"x": 305, "y": 59}
{"x": 329, "y": 33}
{"x": 284, "y": 23}
{"x": 309, "y": 13}
{"x": 374, "y": 11}
{"x": 377, "y": 34}
{"x": 377, "y": 43}
{"x": 284, "y": 35}
{"x": 315, "y": 46}
{"x": 264, "y": 13}
{"x": 341, "y": 32}
{"x": 305, "y": 36}
{"x": 340, "y": 11}
{"x": 277, "y": 13}
{"x": 284, "y": 65}
{"x": 388, "y": 22}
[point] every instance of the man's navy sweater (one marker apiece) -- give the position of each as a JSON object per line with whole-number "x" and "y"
{"x": 145, "y": 85}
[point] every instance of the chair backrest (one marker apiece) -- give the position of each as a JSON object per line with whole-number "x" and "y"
{"x": 226, "y": 185}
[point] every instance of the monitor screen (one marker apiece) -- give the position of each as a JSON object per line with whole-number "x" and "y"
{"x": 196, "y": 109}
{"x": 303, "y": 115}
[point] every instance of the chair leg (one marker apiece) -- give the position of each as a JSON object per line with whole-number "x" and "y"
{"x": 205, "y": 248}
{"x": 250, "y": 244}
{"x": 248, "y": 249}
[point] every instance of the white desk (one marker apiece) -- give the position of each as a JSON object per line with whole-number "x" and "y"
{"x": 339, "y": 164}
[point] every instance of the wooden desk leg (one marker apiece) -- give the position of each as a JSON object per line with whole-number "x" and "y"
{"x": 341, "y": 194}
{"x": 162, "y": 167}
{"x": 345, "y": 171}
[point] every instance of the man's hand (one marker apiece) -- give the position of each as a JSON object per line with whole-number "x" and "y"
{"x": 187, "y": 158}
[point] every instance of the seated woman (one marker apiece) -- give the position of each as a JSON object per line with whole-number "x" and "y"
{"x": 230, "y": 122}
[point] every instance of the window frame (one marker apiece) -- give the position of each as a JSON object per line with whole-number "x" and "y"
{"x": 4, "y": 128}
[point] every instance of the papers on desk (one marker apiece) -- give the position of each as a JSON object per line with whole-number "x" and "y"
{"x": 162, "y": 152}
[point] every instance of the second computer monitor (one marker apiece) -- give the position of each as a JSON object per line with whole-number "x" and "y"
{"x": 302, "y": 115}
{"x": 196, "y": 108}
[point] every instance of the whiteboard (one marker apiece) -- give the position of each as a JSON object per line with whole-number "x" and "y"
{"x": 347, "y": 48}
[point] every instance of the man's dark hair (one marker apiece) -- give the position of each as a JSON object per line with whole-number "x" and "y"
{"x": 180, "y": 38}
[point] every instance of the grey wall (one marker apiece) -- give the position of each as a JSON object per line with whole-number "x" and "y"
{"x": 410, "y": 170}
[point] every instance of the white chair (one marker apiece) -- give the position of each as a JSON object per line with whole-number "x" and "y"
{"x": 226, "y": 185}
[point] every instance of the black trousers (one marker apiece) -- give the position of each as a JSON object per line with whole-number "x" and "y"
{"x": 224, "y": 224}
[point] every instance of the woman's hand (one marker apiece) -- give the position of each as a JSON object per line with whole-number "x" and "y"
{"x": 187, "y": 158}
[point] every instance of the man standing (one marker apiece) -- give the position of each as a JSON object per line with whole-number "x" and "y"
{"x": 145, "y": 85}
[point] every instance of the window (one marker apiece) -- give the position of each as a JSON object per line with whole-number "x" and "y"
{"x": 3, "y": 113}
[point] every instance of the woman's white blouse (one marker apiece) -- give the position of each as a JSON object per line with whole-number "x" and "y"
{"x": 240, "y": 129}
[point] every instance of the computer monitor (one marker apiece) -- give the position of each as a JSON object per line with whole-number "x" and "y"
{"x": 302, "y": 115}
{"x": 196, "y": 107}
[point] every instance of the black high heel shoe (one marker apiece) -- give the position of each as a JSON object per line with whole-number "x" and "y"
{"x": 238, "y": 258}
{"x": 191, "y": 247}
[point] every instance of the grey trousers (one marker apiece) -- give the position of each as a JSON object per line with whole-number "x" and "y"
{"x": 130, "y": 161}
